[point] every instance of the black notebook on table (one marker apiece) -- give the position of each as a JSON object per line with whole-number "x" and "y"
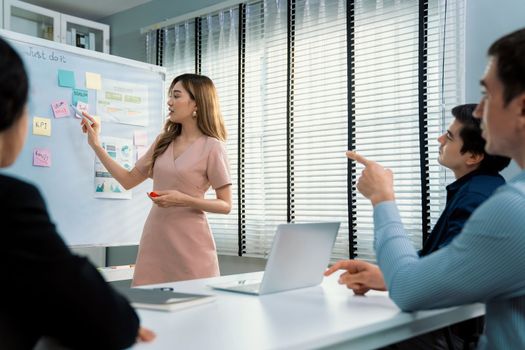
{"x": 156, "y": 299}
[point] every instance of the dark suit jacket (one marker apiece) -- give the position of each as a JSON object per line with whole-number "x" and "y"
{"x": 464, "y": 196}
{"x": 45, "y": 289}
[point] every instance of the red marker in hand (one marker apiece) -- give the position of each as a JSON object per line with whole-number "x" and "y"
{"x": 153, "y": 194}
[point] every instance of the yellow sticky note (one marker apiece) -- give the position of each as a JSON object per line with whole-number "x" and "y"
{"x": 41, "y": 126}
{"x": 93, "y": 81}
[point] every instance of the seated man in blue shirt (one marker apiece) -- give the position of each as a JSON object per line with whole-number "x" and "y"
{"x": 477, "y": 177}
{"x": 486, "y": 261}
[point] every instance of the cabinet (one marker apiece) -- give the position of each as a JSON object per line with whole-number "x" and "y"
{"x": 32, "y": 20}
{"x": 37, "y": 21}
{"x": 83, "y": 33}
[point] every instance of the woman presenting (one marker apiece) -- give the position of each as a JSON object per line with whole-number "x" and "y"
{"x": 184, "y": 161}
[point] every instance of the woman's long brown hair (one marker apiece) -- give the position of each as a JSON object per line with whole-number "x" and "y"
{"x": 209, "y": 117}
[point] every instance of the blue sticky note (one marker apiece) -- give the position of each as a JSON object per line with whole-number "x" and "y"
{"x": 66, "y": 78}
{"x": 80, "y": 95}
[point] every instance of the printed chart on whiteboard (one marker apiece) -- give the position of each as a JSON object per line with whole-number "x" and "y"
{"x": 123, "y": 102}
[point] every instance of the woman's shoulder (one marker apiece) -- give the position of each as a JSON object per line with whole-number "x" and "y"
{"x": 213, "y": 143}
{"x": 212, "y": 140}
{"x": 17, "y": 190}
{"x": 11, "y": 183}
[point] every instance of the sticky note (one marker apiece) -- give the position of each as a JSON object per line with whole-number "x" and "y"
{"x": 140, "y": 138}
{"x": 66, "y": 78}
{"x": 41, "y": 126}
{"x": 80, "y": 95}
{"x": 93, "y": 81}
{"x": 83, "y": 107}
{"x": 60, "y": 109}
{"x": 141, "y": 150}
{"x": 41, "y": 157}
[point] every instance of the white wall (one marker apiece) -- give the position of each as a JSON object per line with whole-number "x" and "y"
{"x": 126, "y": 40}
{"x": 486, "y": 21}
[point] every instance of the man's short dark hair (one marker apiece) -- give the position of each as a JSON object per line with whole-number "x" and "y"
{"x": 470, "y": 133}
{"x": 509, "y": 52}
{"x": 14, "y": 86}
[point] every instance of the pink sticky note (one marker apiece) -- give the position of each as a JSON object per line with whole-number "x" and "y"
{"x": 140, "y": 138}
{"x": 60, "y": 109}
{"x": 41, "y": 157}
{"x": 83, "y": 107}
{"x": 141, "y": 150}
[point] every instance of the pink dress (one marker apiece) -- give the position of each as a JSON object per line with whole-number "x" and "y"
{"x": 177, "y": 243}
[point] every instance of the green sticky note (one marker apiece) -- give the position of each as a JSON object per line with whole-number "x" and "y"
{"x": 80, "y": 95}
{"x": 66, "y": 78}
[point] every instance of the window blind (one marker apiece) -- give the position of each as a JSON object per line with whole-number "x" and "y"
{"x": 446, "y": 34}
{"x": 386, "y": 56}
{"x": 179, "y": 50}
{"x": 219, "y": 54}
{"x": 265, "y": 167}
{"x": 398, "y": 81}
{"x": 386, "y": 118}
{"x": 151, "y": 47}
{"x": 320, "y": 117}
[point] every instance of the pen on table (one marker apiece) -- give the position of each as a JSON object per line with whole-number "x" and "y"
{"x": 164, "y": 289}
{"x": 118, "y": 267}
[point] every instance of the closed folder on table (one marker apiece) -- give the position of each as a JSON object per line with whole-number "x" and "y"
{"x": 156, "y": 299}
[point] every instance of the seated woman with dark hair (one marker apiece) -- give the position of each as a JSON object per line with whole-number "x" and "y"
{"x": 46, "y": 291}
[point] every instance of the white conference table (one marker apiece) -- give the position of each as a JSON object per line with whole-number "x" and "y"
{"x": 325, "y": 316}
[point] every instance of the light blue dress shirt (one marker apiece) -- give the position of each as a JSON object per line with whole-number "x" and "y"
{"x": 485, "y": 263}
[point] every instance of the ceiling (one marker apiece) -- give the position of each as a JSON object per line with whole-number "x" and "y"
{"x": 88, "y": 9}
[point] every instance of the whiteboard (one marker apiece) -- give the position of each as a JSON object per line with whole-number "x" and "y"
{"x": 68, "y": 185}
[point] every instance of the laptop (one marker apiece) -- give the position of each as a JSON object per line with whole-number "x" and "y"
{"x": 300, "y": 254}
